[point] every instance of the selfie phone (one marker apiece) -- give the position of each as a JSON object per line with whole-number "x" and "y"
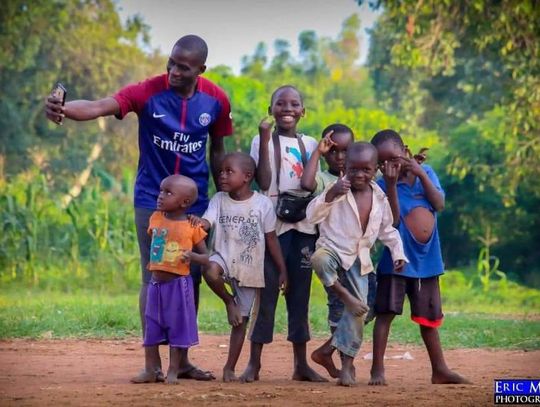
{"x": 59, "y": 91}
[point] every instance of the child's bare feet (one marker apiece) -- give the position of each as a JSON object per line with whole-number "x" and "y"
{"x": 145, "y": 377}
{"x": 229, "y": 376}
{"x": 172, "y": 377}
{"x": 347, "y": 376}
{"x": 307, "y": 374}
{"x": 323, "y": 357}
{"x": 251, "y": 373}
{"x": 377, "y": 377}
{"x": 233, "y": 314}
{"x": 448, "y": 377}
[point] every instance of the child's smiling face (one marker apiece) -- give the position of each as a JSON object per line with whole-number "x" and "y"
{"x": 361, "y": 168}
{"x": 287, "y": 108}
{"x": 335, "y": 158}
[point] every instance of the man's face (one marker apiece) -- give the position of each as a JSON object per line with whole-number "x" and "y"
{"x": 183, "y": 68}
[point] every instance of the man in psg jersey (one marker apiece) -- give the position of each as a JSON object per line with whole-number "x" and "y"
{"x": 178, "y": 112}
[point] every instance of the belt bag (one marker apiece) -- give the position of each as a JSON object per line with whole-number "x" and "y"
{"x": 290, "y": 208}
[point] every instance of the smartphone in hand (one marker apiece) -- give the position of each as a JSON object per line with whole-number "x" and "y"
{"x": 59, "y": 92}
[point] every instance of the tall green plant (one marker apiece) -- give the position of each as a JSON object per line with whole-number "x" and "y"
{"x": 488, "y": 265}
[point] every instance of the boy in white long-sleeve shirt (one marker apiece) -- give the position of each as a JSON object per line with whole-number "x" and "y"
{"x": 352, "y": 214}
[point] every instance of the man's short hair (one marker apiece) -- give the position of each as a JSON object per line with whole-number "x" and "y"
{"x": 195, "y": 44}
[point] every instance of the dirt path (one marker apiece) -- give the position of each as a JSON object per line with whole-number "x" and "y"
{"x": 77, "y": 372}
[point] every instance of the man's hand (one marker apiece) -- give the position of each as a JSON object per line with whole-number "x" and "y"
{"x": 265, "y": 129}
{"x": 54, "y": 109}
{"x": 341, "y": 187}
{"x": 283, "y": 282}
{"x": 326, "y": 143}
{"x": 398, "y": 265}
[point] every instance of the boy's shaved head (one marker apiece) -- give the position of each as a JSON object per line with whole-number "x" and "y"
{"x": 359, "y": 148}
{"x": 184, "y": 184}
{"x": 194, "y": 44}
{"x": 244, "y": 161}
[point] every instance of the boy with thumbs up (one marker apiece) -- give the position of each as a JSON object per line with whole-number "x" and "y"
{"x": 352, "y": 213}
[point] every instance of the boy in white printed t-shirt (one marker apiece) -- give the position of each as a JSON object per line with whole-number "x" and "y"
{"x": 244, "y": 224}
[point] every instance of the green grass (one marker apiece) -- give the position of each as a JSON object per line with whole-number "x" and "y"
{"x": 89, "y": 314}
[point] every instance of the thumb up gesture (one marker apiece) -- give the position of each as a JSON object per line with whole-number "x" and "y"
{"x": 341, "y": 187}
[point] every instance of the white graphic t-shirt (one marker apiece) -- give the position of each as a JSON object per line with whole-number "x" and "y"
{"x": 289, "y": 176}
{"x": 239, "y": 228}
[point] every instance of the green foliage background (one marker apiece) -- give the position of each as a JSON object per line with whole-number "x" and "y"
{"x": 459, "y": 77}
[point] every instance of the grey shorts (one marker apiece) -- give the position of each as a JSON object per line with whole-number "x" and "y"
{"x": 243, "y": 296}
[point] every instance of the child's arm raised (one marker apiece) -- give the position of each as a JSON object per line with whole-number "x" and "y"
{"x": 390, "y": 172}
{"x": 319, "y": 208}
{"x": 433, "y": 194}
{"x": 308, "y": 181}
{"x": 273, "y": 247}
{"x": 264, "y": 172}
{"x": 340, "y": 187}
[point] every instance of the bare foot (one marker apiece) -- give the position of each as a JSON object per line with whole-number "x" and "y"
{"x": 448, "y": 377}
{"x": 145, "y": 377}
{"x": 233, "y": 314}
{"x": 229, "y": 376}
{"x": 377, "y": 378}
{"x": 354, "y": 305}
{"x": 251, "y": 374}
{"x": 307, "y": 374}
{"x": 323, "y": 358}
{"x": 172, "y": 377}
{"x": 347, "y": 377}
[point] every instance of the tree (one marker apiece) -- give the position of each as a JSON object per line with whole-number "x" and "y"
{"x": 84, "y": 45}
{"x": 470, "y": 70}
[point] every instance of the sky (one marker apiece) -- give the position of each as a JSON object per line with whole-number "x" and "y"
{"x": 232, "y": 28}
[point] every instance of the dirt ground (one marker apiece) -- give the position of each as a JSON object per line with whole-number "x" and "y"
{"x": 97, "y": 372}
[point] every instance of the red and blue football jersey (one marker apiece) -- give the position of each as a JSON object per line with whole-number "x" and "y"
{"x": 173, "y": 132}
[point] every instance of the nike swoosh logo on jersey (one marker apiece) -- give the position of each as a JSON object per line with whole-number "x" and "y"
{"x": 158, "y": 116}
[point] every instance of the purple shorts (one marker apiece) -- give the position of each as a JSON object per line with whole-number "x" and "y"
{"x": 170, "y": 314}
